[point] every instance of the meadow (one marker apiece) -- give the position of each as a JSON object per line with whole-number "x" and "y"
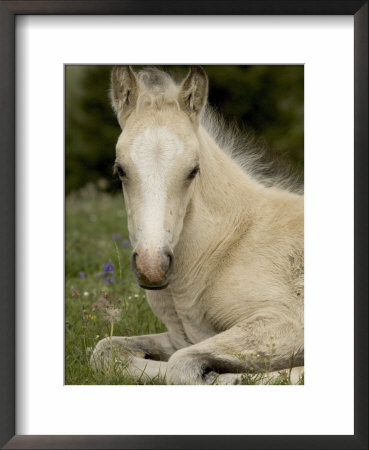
{"x": 96, "y": 240}
{"x": 102, "y": 297}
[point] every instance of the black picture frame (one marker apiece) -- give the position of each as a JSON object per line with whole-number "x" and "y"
{"x": 8, "y": 11}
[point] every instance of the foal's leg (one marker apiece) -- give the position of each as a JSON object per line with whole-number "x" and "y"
{"x": 153, "y": 346}
{"x": 140, "y": 350}
{"x": 243, "y": 348}
{"x": 141, "y": 357}
{"x": 145, "y": 370}
{"x": 293, "y": 374}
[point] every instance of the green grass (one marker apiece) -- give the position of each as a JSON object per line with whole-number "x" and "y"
{"x": 93, "y": 221}
{"x": 92, "y": 217}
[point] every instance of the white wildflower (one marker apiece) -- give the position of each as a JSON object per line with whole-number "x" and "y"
{"x": 112, "y": 315}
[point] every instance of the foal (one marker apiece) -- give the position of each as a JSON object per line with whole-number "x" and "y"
{"x": 219, "y": 252}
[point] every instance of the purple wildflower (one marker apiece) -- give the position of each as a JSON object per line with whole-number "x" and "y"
{"x": 82, "y": 275}
{"x": 109, "y": 280}
{"x": 108, "y": 268}
{"x": 116, "y": 237}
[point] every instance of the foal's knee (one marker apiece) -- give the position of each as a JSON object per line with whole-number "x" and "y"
{"x": 188, "y": 366}
{"x": 185, "y": 368}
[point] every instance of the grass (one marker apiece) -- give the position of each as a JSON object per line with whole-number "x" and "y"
{"x": 97, "y": 238}
{"x": 96, "y": 233}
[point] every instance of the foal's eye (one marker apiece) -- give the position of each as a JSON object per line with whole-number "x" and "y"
{"x": 193, "y": 172}
{"x": 120, "y": 171}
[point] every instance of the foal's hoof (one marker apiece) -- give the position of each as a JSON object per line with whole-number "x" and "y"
{"x": 101, "y": 356}
{"x": 111, "y": 351}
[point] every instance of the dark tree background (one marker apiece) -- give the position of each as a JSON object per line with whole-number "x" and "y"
{"x": 266, "y": 101}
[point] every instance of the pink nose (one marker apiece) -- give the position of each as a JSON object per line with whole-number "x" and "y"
{"x": 152, "y": 268}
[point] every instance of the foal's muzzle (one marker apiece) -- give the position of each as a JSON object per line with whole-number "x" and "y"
{"x": 152, "y": 268}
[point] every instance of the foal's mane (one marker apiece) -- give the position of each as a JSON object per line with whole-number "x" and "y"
{"x": 158, "y": 89}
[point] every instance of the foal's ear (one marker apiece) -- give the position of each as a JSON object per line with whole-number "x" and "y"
{"x": 194, "y": 92}
{"x": 123, "y": 92}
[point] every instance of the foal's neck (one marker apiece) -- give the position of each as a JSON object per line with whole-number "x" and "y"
{"x": 225, "y": 189}
{"x": 223, "y": 202}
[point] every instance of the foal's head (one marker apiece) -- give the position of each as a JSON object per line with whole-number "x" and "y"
{"x": 157, "y": 160}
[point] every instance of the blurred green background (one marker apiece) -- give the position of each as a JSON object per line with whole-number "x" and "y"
{"x": 267, "y": 102}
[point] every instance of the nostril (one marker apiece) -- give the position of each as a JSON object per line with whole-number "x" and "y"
{"x": 133, "y": 259}
{"x": 168, "y": 259}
